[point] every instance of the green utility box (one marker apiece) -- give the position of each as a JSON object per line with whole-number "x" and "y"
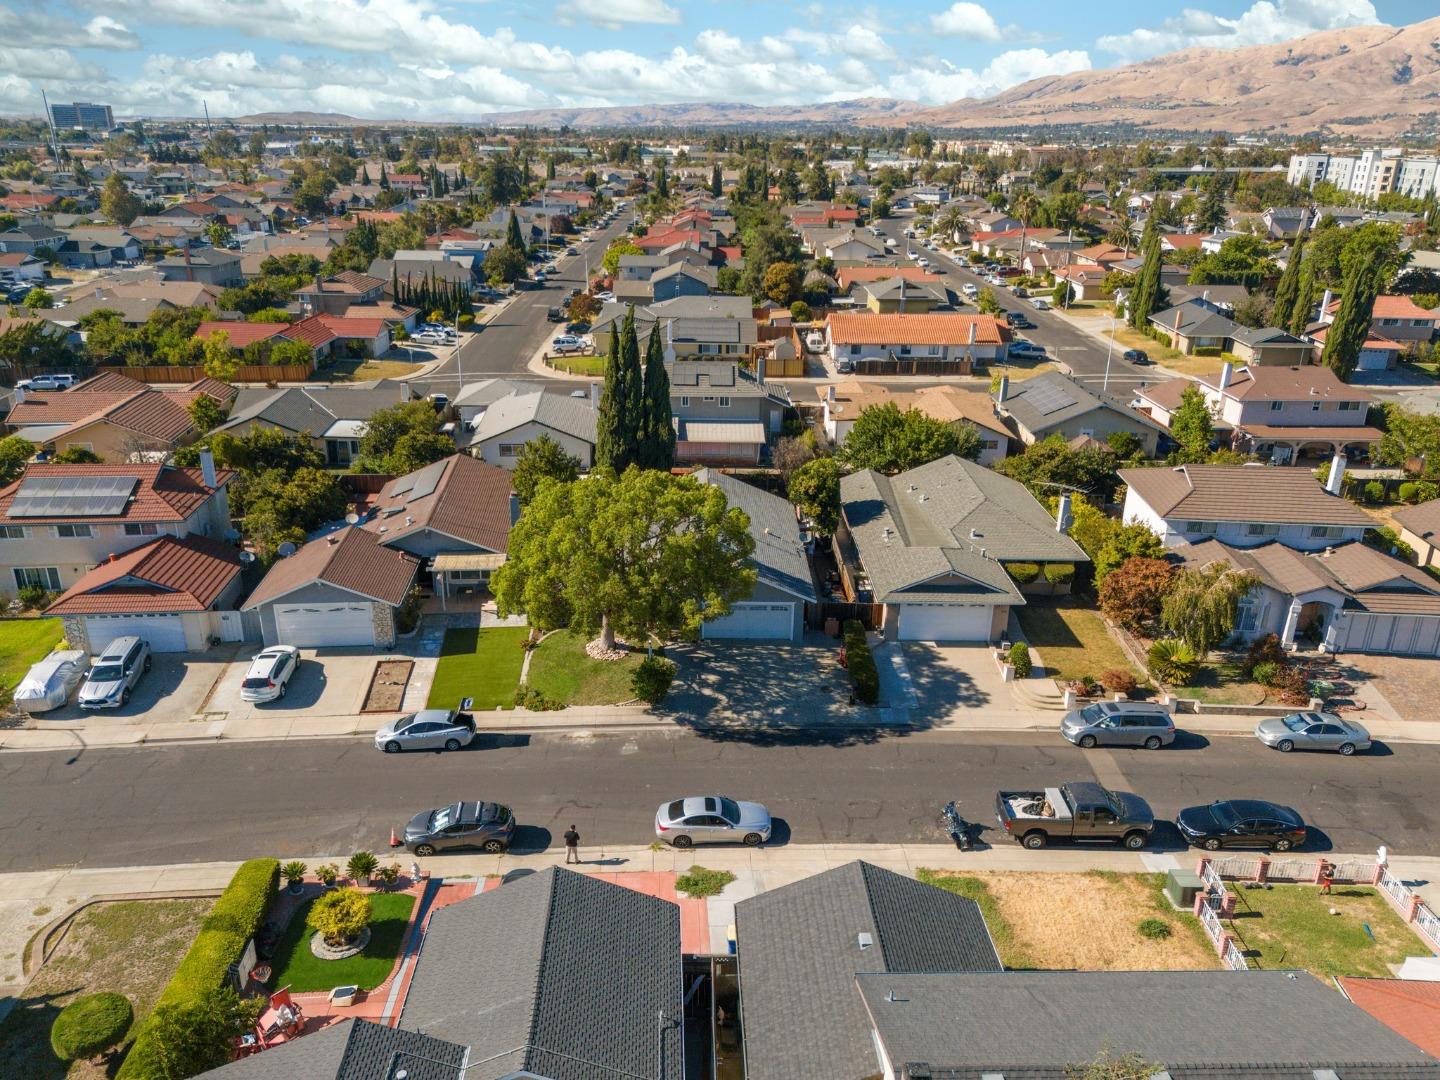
{"x": 1182, "y": 886}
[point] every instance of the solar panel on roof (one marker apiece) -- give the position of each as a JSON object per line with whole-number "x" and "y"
{"x": 426, "y": 480}
{"x": 1049, "y": 398}
{"x": 73, "y": 496}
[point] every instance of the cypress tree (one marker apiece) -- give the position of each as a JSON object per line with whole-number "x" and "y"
{"x": 1146, "y": 291}
{"x": 513, "y": 239}
{"x": 1346, "y": 335}
{"x": 657, "y": 439}
{"x": 1287, "y": 290}
{"x": 1304, "y": 300}
{"x": 633, "y": 386}
{"x": 611, "y": 422}
{"x": 716, "y": 181}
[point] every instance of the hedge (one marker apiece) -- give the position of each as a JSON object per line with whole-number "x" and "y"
{"x": 861, "y": 665}
{"x": 236, "y": 917}
{"x": 1059, "y": 573}
{"x": 1023, "y": 572}
{"x": 90, "y": 1025}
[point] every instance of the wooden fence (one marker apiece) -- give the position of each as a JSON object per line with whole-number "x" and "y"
{"x": 188, "y": 373}
{"x": 914, "y": 366}
{"x": 870, "y": 615}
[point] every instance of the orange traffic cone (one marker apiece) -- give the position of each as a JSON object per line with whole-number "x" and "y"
{"x": 394, "y": 840}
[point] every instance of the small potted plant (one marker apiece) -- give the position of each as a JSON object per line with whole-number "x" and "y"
{"x": 328, "y": 874}
{"x": 361, "y": 866}
{"x": 389, "y": 875}
{"x": 294, "y": 875}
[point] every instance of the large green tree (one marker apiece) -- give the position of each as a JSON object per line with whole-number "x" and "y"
{"x": 1144, "y": 296}
{"x": 1192, "y": 427}
{"x": 540, "y": 460}
{"x": 1287, "y": 289}
{"x": 617, "y": 439}
{"x": 1052, "y": 467}
{"x": 889, "y": 440}
{"x": 1201, "y": 605}
{"x": 644, "y": 556}
{"x": 15, "y": 453}
{"x": 657, "y": 427}
{"x": 814, "y": 488}
{"x": 1367, "y": 263}
{"x": 118, "y": 202}
{"x": 401, "y": 438}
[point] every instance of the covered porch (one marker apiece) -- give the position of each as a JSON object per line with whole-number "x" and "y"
{"x": 460, "y": 580}
{"x": 1286, "y": 445}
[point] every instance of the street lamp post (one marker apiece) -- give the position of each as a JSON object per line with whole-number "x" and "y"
{"x": 1109, "y": 349}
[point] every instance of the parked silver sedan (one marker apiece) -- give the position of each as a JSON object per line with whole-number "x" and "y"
{"x": 1313, "y": 731}
{"x": 711, "y": 819}
{"x": 428, "y": 729}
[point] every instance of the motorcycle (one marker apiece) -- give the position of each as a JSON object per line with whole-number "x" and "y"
{"x": 958, "y": 828}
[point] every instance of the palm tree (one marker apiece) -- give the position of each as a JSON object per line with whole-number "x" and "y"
{"x": 1121, "y": 236}
{"x": 950, "y": 223}
{"x": 1023, "y": 206}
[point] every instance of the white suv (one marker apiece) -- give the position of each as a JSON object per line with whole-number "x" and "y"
{"x": 269, "y": 671}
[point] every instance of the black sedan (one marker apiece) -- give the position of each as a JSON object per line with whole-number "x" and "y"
{"x": 1241, "y": 823}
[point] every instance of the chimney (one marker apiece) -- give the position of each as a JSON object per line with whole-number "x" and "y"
{"x": 1004, "y": 390}
{"x": 207, "y": 469}
{"x": 1336, "y": 479}
{"x": 595, "y": 396}
{"x": 189, "y": 273}
{"x": 1325, "y": 305}
{"x": 1227, "y": 372}
{"x": 19, "y": 394}
{"x": 1063, "y": 518}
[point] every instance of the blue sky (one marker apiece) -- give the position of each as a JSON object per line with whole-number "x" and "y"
{"x": 441, "y": 59}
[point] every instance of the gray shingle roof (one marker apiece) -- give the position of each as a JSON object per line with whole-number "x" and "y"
{"x": 1195, "y": 320}
{"x": 940, "y": 517}
{"x": 311, "y": 408}
{"x": 1047, "y": 401}
{"x": 569, "y": 415}
{"x": 780, "y": 559}
{"x": 559, "y": 974}
{"x": 800, "y": 950}
{"x": 1193, "y": 1023}
{"x": 351, "y": 1050}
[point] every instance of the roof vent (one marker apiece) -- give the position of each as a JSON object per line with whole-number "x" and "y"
{"x": 381, "y": 529}
{"x": 865, "y": 940}
{"x": 895, "y": 999}
{"x": 974, "y": 534}
{"x": 889, "y": 532}
{"x": 409, "y": 520}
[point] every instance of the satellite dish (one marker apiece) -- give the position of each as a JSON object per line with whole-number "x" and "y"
{"x": 352, "y": 519}
{"x": 247, "y": 557}
{"x": 285, "y": 550}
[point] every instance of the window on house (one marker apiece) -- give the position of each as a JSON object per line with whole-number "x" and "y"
{"x": 708, "y": 398}
{"x": 684, "y": 401}
{"x": 511, "y": 449}
{"x": 1315, "y": 406}
{"x": 12, "y": 532}
{"x": 1208, "y": 528}
{"x": 1256, "y": 528}
{"x": 1276, "y": 406}
{"x": 1326, "y": 532}
{"x": 47, "y": 577}
{"x": 72, "y": 532}
{"x": 854, "y": 350}
{"x": 141, "y": 528}
{"x": 1389, "y": 322}
{"x": 724, "y": 402}
{"x": 933, "y": 350}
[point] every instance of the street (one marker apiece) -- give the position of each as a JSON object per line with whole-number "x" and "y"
{"x": 179, "y": 804}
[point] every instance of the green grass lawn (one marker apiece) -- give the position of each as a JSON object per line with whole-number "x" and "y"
{"x": 480, "y": 664}
{"x": 1072, "y": 638}
{"x": 1290, "y": 926}
{"x": 1223, "y": 684}
{"x": 300, "y": 969}
{"x": 560, "y": 669}
{"x": 22, "y": 643}
{"x": 579, "y": 365}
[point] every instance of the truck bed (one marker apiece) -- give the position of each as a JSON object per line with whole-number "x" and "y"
{"x": 1016, "y": 800}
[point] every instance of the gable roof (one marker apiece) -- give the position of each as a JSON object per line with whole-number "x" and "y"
{"x": 865, "y": 328}
{"x": 352, "y": 559}
{"x": 557, "y": 974}
{"x": 1408, "y": 1007}
{"x": 460, "y": 496}
{"x": 800, "y": 948}
{"x": 168, "y": 574}
{"x": 1308, "y": 382}
{"x": 1052, "y": 399}
{"x": 570, "y": 415}
{"x": 949, "y": 404}
{"x": 1194, "y": 319}
{"x": 779, "y": 557}
{"x": 240, "y": 334}
{"x": 1247, "y": 493}
{"x": 312, "y": 409}
{"x": 353, "y": 1049}
{"x": 161, "y": 494}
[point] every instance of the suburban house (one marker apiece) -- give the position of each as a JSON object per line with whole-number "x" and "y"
{"x": 326, "y": 335}
{"x": 342, "y": 589}
{"x": 931, "y": 545}
{"x": 114, "y": 416}
{"x": 553, "y": 976}
{"x": 691, "y": 326}
{"x": 333, "y": 417}
{"x": 1241, "y": 505}
{"x": 510, "y": 422}
{"x": 1420, "y": 528}
{"x": 1195, "y": 325}
{"x": 1397, "y": 318}
{"x": 901, "y": 295}
{"x": 722, "y": 414}
{"x": 1286, "y": 413}
{"x": 1055, "y": 404}
{"x": 174, "y": 593}
{"x": 847, "y": 277}
{"x": 1349, "y": 598}
{"x": 59, "y": 522}
{"x": 842, "y": 403}
{"x": 454, "y": 516}
{"x": 471, "y": 402}
{"x": 24, "y": 266}
{"x": 1269, "y": 345}
{"x": 860, "y": 973}
{"x": 30, "y": 235}
{"x": 335, "y": 295}
{"x": 775, "y": 608}
{"x": 955, "y": 340}
{"x": 641, "y": 281}
{"x": 1377, "y": 352}
{"x": 842, "y": 245}
{"x": 210, "y": 266}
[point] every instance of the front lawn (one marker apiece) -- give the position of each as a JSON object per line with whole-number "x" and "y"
{"x": 1290, "y": 926}
{"x": 562, "y": 672}
{"x": 1073, "y": 639}
{"x": 1222, "y": 683}
{"x": 579, "y": 365}
{"x": 480, "y": 664}
{"x": 301, "y": 970}
{"x": 24, "y": 642}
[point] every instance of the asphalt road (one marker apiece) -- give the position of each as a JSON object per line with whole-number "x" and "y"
{"x": 504, "y": 346}
{"x": 181, "y": 804}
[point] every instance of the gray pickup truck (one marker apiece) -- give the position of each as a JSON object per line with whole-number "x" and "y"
{"x": 1078, "y": 811}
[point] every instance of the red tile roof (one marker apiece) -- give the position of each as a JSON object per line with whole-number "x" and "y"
{"x": 1184, "y": 241}
{"x": 16, "y": 258}
{"x": 163, "y": 494}
{"x": 351, "y": 559}
{"x": 855, "y": 328}
{"x": 1389, "y": 306}
{"x": 320, "y": 329}
{"x": 167, "y": 574}
{"x": 28, "y": 201}
{"x": 240, "y": 334}
{"x": 1409, "y": 1007}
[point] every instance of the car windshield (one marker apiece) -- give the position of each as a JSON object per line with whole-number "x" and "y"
{"x": 676, "y": 810}
{"x": 1091, "y": 713}
{"x": 1296, "y": 722}
{"x": 403, "y": 723}
{"x": 442, "y": 817}
{"x": 729, "y": 810}
{"x": 1224, "y": 816}
{"x": 107, "y": 673}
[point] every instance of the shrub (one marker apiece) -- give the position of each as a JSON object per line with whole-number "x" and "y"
{"x": 1173, "y": 661}
{"x": 1154, "y": 929}
{"x": 1059, "y": 573}
{"x": 1409, "y": 492}
{"x": 652, "y": 678}
{"x": 340, "y": 915}
{"x": 466, "y": 321}
{"x": 864, "y": 676}
{"x": 1426, "y": 490}
{"x": 360, "y": 866}
{"x": 699, "y": 882}
{"x": 33, "y": 596}
{"x": 527, "y": 697}
{"x": 800, "y": 311}
{"x": 1119, "y": 681}
{"x": 1023, "y": 572}
{"x": 1375, "y": 492}
{"x": 1388, "y": 540}
{"x": 90, "y": 1025}
{"x": 389, "y": 874}
{"x": 293, "y": 872}
{"x": 1290, "y": 681}
{"x": 1085, "y": 686}
{"x": 1020, "y": 660}
{"x": 242, "y": 906}
{"x": 1266, "y": 672}
{"x": 1267, "y": 649}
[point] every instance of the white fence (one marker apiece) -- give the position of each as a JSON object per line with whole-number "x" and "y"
{"x": 1232, "y": 957}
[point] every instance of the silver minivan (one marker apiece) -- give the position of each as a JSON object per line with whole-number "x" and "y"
{"x": 1119, "y": 723}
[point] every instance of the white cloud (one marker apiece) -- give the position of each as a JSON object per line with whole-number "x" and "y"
{"x": 942, "y": 82}
{"x": 861, "y": 41}
{"x": 45, "y": 28}
{"x": 1263, "y": 23}
{"x": 966, "y": 21}
{"x": 612, "y": 14}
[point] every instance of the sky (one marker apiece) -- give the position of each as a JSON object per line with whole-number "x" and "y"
{"x": 439, "y": 60}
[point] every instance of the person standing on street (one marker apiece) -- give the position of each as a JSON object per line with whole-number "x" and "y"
{"x": 572, "y": 846}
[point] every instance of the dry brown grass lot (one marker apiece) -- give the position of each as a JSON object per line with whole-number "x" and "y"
{"x": 1086, "y": 921}
{"x": 131, "y": 947}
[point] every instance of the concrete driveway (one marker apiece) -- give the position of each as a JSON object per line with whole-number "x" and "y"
{"x": 174, "y": 690}
{"x": 329, "y": 682}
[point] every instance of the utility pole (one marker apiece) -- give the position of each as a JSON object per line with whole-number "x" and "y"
{"x": 50, "y": 123}
{"x": 209, "y": 131}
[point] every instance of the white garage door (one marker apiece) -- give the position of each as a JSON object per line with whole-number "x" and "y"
{"x": 1373, "y": 360}
{"x": 944, "y": 622}
{"x": 315, "y": 625}
{"x": 754, "y": 622}
{"x": 1398, "y": 635}
{"x": 165, "y": 633}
